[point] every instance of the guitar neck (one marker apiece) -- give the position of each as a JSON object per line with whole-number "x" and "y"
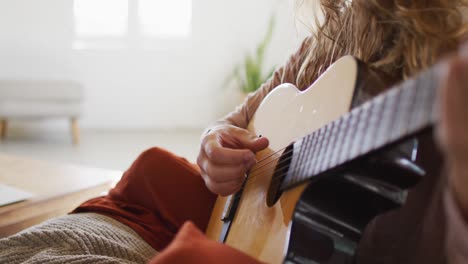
{"x": 394, "y": 115}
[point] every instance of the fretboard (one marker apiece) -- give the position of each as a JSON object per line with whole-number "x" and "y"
{"x": 394, "y": 115}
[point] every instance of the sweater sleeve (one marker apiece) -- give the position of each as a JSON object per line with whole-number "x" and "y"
{"x": 242, "y": 115}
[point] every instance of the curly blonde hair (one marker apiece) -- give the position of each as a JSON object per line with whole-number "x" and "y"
{"x": 396, "y": 37}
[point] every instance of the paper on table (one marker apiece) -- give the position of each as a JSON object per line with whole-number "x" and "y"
{"x": 10, "y": 195}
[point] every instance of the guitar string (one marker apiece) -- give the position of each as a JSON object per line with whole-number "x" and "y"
{"x": 257, "y": 168}
{"x": 264, "y": 162}
{"x": 250, "y": 180}
{"x": 252, "y": 177}
{"x": 262, "y": 167}
{"x": 283, "y": 166}
{"x": 265, "y": 159}
{"x": 256, "y": 173}
{"x": 270, "y": 161}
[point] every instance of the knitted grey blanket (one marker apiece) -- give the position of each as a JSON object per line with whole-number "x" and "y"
{"x": 76, "y": 238}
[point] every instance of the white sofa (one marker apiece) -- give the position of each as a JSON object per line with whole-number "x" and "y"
{"x": 33, "y": 99}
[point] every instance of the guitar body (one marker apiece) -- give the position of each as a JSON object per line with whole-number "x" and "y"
{"x": 335, "y": 161}
{"x": 284, "y": 116}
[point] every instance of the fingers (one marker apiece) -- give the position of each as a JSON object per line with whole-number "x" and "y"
{"x": 223, "y": 188}
{"x": 258, "y": 144}
{"x": 219, "y": 154}
{"x": 223, "y": 173}
{"x": 250, "y": 141}
{"x": 222, "y": 179}
{"x": 226, "y": 154}
{"x": 232, "y": 145}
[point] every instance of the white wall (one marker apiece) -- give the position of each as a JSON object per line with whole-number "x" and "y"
{"x": 173, "y": 84}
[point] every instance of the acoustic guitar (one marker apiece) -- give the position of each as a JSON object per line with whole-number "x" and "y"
{"x": 319, "y": 183}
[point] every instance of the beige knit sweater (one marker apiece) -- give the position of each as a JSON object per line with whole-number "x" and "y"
{"x": 76, "y": 238}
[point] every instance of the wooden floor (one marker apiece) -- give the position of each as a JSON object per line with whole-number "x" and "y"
{"x": 55, "y": 189}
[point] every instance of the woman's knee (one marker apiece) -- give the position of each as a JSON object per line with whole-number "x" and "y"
{"x": 159, "y": 161}
{"x": 154, "y": 169}
{"x": 156, "y": 155}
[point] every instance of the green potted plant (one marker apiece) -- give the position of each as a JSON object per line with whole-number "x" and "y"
{"x": 249, "y": 74}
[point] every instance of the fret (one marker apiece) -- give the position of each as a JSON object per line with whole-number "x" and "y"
{"x": 386, "y": 122}
{"x": 293, "y": 161}
{"x": 375, "y": 116}
{"x": 311, "y": 157}
{"x": 305, "y": 154}
{"x": 402, "y": 111}
{"x": 334, "y": 126}
{"x": 307, "y": 148}
{"x": 322, "y": 149}
{"x": 352, "y": 119}
{"x": 340, "y": 132}
{"x": 359, "y": 121}
{"x": 356, "y": 147}
{"x": 422, "y": 105}
{"x": 299, "y": 146}
{"x": 343, "y": 134}
{"x": 432, "y": 106}
{"x": 318, "y": 152}
{"x": 326, "y": 148}
{"x": 333, "y": 144}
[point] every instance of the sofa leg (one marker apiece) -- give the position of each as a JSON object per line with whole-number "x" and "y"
{"x": 3, "y": 128}
{"x": 75, "y": 131}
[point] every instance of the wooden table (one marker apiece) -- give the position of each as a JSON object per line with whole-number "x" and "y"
{"x": 57, "y": 189}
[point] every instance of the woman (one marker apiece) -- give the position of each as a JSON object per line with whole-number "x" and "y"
{"x": 161, "y": 191}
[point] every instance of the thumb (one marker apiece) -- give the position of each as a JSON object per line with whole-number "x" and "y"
{"x": 254, "y": 143}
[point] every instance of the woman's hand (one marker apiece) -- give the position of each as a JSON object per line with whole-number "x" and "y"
{"x": 227, "y": 152}
{"x": 452, "y": 133}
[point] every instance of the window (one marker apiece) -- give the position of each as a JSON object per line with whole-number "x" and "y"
{"x": 165, "y": 18}
{"x": 119, "y": 23}
{"x": 101, "y": 18}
